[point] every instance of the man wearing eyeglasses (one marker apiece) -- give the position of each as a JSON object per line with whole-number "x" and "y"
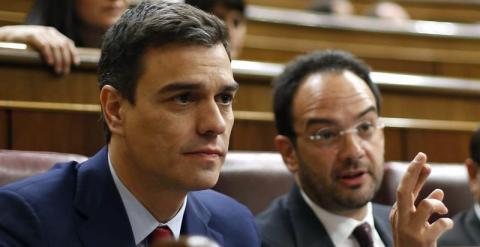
{"x": 331, "y": 139}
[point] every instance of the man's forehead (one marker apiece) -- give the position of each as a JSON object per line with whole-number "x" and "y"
{"x": 332, "y": 93}
{"x": 335, "y": 81}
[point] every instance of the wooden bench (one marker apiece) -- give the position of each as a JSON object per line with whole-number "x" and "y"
{"x": 277, "y": 35}
{"x": 43, "y": 111}
{"x": 433, "y": 10}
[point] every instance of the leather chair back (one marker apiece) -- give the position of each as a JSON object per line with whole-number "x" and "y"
{"x": 450, "y": 177}
{"x": 15, "y": 165}
{"x": 256, "y": 178}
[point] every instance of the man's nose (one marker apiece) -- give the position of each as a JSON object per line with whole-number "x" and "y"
{"x": 351, "y": 147}
{"x": 211, "y": 120}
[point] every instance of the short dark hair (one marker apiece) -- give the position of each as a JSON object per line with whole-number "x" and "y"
{"x": 287, "y": 83}
{"x": 152, "y": 24}
{"x": 475, "y": 147}
{"x": 209, "y": 5}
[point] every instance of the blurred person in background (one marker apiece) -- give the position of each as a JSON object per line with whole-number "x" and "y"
{"x": 388, "y": 10}
{"x": 466, "y": 231}
{"x": 334, "y": 7}
{"x": 232, "y": 12}
{"x": 56, "y": 27}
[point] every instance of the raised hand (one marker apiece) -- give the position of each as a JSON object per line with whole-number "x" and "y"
{"x": 410, "y": 224}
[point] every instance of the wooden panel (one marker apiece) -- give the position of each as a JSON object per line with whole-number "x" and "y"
{"x": 405, "y": 50}
{"x": 39, "y": 84}
{"x": 3, "y": 129}
{"x": 440, "y": 146}
{"x": 256, "y": 95}
{"x": 430, "y": 106}
{"x": 452, "y": 11}
{"x": 17, "y": 5}
{"x": 400, "y": 143}
{"x": 80, "y": 133}
{"x": 394, "y": 144}
{"x": 253, "y": 135}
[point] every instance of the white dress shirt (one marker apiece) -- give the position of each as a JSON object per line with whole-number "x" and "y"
{"x": 476, "y": 207}
{"x": 340, "y": 228}
{"x": 141, "y": 220}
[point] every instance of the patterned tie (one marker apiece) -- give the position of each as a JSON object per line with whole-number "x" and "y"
{"x": 363, "y": 234}
{"x": 160, "y": 233}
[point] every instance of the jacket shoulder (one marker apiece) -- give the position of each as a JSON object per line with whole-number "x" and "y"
{"x": 28, "y": 207}
{"x": 274, "y": 224}
{"x": 229, "y": 217}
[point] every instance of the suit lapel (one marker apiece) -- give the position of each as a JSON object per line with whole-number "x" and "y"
{"x": 101, "y": 216}
{"x": 472, "y": 225}
{"x": 308, "y": 230}
{"x": 382, "y": 225}
{"x": 196, "y": 220}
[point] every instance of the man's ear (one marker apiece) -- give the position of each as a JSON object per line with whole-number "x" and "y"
{"x": 112, "y": 110}
{"x": 286, "y": 148}
{"x": 472, "y": 168}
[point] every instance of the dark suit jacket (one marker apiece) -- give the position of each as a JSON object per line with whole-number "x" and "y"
{"x": 79, "y": 205}
{"x": 465, "y": 232}
{"x": 289, "y": 221}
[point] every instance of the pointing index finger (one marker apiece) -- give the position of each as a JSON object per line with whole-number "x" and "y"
{"x": 411, "y": 183}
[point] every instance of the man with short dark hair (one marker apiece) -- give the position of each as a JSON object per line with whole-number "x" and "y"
{"x": 166, "y": 95}
{"x": 466, "y": 231}
{"x": 330, "y": 136}
{"x": 232, "y": 12}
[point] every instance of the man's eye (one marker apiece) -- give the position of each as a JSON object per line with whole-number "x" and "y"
{"x": 183, "y": 98}
{"x": 365, "y": 128}
{"x": 326, "y": 135}
{"x": 225, "y": 99}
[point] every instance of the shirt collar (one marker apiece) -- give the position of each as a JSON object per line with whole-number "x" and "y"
{"x": 141, "y": 220}
{"x": 338, "y": 227}
{"x": 476, "y": 207}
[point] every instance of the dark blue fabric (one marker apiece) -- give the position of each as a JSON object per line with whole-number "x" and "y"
{"x": 290, "y": 222}
{"x": 79, "y": 205}
{"x": 465, "y": 232}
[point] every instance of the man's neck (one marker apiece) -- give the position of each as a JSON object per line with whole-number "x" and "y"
{"x": 161, "y": 200}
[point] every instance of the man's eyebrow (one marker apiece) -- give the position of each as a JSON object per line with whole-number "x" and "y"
{"x": 180, "y": 86}
{"x": 189, "y": 86}
{"x": 232, "y": 86}
{"x": 366, "y": 111}
{"x": 326, "y": 121}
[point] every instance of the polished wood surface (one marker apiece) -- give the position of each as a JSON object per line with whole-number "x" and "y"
{"x": 4, "y": 133}
{"x": 14, "y": 12}
{"x": 443, "y": 141}
{"x": 42, "y": 111}
{"x": 433, "y": 10}
{"x": 79, "y": 130}
{"x": 405, "y": 96}
{"x": 411, "y": 47}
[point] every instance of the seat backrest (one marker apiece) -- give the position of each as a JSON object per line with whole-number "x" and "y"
{"x": 451, "y": 178}
{"x": 254, "y": 178}
{"x": 15, "y": 165}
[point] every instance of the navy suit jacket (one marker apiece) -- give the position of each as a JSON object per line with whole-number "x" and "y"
{"x": 465, "y": 232}
{"x": 290, "y": 222}
{"x": 79, "y": 205}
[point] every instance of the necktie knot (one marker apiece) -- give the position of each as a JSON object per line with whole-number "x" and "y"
{"x": 363, "y": 235}
{"x": 160, "y": 233}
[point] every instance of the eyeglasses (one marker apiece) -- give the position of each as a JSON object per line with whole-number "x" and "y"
{"x": 331, "y": 135}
